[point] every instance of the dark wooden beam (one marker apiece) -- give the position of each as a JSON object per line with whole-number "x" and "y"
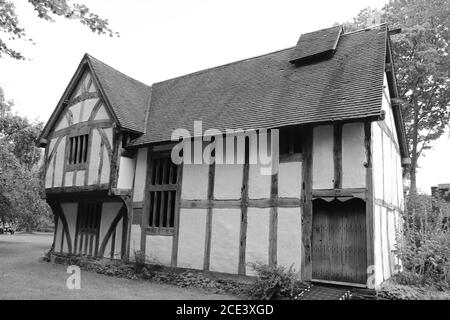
{"x": 176, "y": 236}
{"x": 209, "y": 213}
{"x": 306, "y": 267}
{"x": 244, "y": 211}
{"x": 337, "y": 155}
{"x": 369, "y": 201}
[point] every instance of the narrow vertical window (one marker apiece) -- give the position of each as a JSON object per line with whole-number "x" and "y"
{"x": 78, "y": 149}
{"x": 162, "y": 194}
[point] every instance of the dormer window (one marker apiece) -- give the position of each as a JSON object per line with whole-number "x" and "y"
{"x": 78, "y": 152}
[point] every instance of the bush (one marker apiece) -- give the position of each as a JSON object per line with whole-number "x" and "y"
{"x": 275, "y": 283}
{"x": 424, "y": 245}
{"x": 139, "y": 261}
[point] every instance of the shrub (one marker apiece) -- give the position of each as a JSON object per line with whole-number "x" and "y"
{"x": 275, "y": 283}
{"x": 139, "y": 261}
{"x": 424, "y": 245}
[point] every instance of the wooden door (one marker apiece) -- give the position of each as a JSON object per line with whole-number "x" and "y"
{"x": 339, "y": 241}
{"x": 88, "y": 228}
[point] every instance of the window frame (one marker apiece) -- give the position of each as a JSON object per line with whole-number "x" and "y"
{"x": 86, "y": 148}
{"x": 170, "y": 189}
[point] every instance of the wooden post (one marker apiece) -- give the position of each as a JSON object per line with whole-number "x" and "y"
{"x": 244, "y": 210}
{"x": 146, "y": 207}
{"x": 174, "y": 261}
{"x": 337, "y": 155}
{"x": 370, "y": 195}
{"x": 209, "y": 213}
{"x": 273, "y": 222}
{"x": 306, "y": 267}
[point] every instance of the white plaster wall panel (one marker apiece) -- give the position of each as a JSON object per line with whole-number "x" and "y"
{"x": 140, "y": 175}
{"x": 353, "y": 156}
{"x": 58, "y": 235}
{"x": 51, "y": 146}
{"x": 390, "y": 173}
{"x": 106, "y": 169}
{"x": 400, "y": 186}
{"x": 62, "y": 123}
{"x": 76, "y": 112}
{"x": 259, "y": 184}
{"x": 398, "y": 229}
{"x": 102, "y": 114}
{"x": 68, "y": 182}
{"x": 79, "y": 181}
{"x": 323, "y": 166}
{"x": 60, "y": 159}
{"x": 135, "y": 240}
{"x": 49, "y": 172}
{"x": 377, "y": 245}
{"x": 392, "y": 239}
{"x": 118, "y": 240}
{"x": 109, "y": 135}
{"x": 65, "y": 248}
{"x": 225, "y": 232}
{"x": 394, "y": 175}
{"x": 195, "y": 181}
{"x": 191, "y": 243}
{"x": 290, "y": 180}
{"x": 377, "y": 161}
{"x": 257, "y": 245}
{"x": 228, "y": 181}
{"x": 49, "y": 175}
{"x": 88, "y": 106}
{"x": 109, "y": 212}
{"x": 94, "y": 161}
{"x": 71, "y": 212}
{"x": 385, "y": 244}
{"x": 158, "y": 249}
{"x": 386, "y": 169}
{"x": 387, "y": 107}
{"x": 126, "y": 173}
{"x": 289, "y": 238}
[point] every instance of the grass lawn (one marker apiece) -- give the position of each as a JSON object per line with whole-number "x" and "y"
{"x": 23, "y": 275}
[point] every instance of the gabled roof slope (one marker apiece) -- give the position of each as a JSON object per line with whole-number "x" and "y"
{"x": 127, "y": 97}
{"x": 268, "y": 91}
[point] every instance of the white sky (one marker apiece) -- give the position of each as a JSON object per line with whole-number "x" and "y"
{"x": 167, "y": 38}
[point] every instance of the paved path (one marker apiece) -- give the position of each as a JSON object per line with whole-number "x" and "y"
{"x": 23, "y": 275}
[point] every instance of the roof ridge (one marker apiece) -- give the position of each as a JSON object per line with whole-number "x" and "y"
{"x": 115, "y": 70}
{"x": 223, "y": 65}
{"x": 369, "y": 28}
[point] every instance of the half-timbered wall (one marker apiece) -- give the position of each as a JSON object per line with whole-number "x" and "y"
{"x": 106, "y": 229}
{"x": 339, "y": 156}
{"x": 387, "y": 191}
{"x": 84, "y": 115}
{"x": 230, "y": 215}
{"x": 138, "y": 200}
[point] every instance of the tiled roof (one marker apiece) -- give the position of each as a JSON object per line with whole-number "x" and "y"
{"x": 127, "y": 97}
{"x": 268, "y": 91}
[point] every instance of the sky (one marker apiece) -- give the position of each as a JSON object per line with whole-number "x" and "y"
{"x": 162, "y": 39}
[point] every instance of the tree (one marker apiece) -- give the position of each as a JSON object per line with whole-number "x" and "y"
{"x": 46, "y": 9}
{"x": 422, "y": 65}
{"x": 20, "y": 174}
